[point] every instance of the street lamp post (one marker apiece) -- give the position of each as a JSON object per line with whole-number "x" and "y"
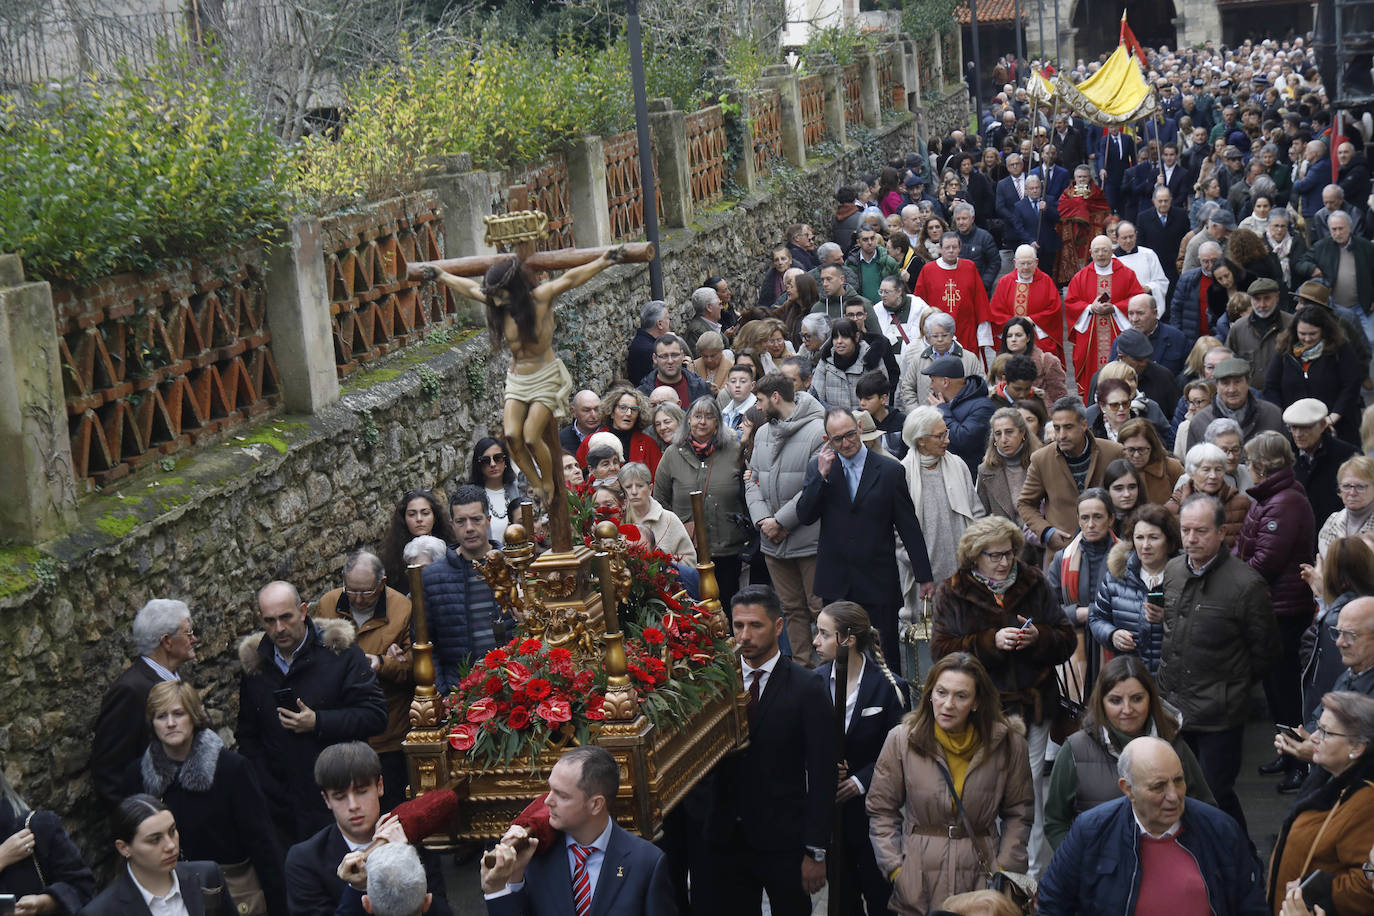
{"x": 1016, "y": 24}
{"x": 646, "y": 165}
{"x": 977, "y": 61}
{"x": 1058, "y": 52}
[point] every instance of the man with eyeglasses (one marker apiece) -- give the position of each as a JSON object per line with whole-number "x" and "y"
{"x": 382, "y": 616}
{"x": 1220, "y": 637}
{"x": 164, "y": 640}
{"x": 670, "y": 352}
{"x": 1353, "y": 638}
{"x": 1319, "y": 454}
{"x": 860, "y": 498}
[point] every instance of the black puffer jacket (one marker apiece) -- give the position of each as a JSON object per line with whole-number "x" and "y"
{"x": 1278, "y": 534}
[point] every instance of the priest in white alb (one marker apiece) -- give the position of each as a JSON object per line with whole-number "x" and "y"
{"x": 1149, "y": 270}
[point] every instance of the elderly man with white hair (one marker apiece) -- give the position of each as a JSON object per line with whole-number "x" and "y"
{"x": 913, "y": 389}
{"x": 1096, "y": 302}
{"x": 164, "y": 641}
{"x": 1146, "y": 264}
{"x": 1343, "y": 260}
{"x": 1154, "y": 850}
{"x": 705, "y": 316}
{"x": 1188, "y": 310}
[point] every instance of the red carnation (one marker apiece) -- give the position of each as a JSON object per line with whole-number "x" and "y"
{"x": 530, "y": 647}
{"x": 519, "y": 718}
{"x": 582, "y": 682}
{"x": 560, "y": 655}
{"x": 653, "y": 636}
{"x": 554, "y": 710}
{"x": 481, "y": 711}
{"x": 495, "y": 658}
{"x": 463, "y": 737}
{"x": 492, "y": 686}
{"x": 538, "y": 688}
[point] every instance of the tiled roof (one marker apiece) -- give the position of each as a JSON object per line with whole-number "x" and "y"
{"x": 992, "y": 12}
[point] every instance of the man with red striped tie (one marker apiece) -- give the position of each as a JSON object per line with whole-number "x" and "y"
{"x": 595, "y": 868}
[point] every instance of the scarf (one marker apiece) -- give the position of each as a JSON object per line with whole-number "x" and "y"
{"x": 1014, "y": 456}
{"x": 954, "y": 472}
{"x": 1241, "y": 414}
{"x": 998, "y": 589}
{"x": 933, "y": 248}
{"x": 1282, "y": 250}
{"x": 196, "y": 773}
{"x": 1307, "y": 354}
{"x": 702, "y": 450}
{"x": 1072, "y": 563}
{"x": 959, "y": 748}
{"x": 844, "y": 362}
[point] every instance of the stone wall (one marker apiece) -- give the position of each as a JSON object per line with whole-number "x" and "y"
{"x": 286, "y": 499}
{"x": 941, "y": 115}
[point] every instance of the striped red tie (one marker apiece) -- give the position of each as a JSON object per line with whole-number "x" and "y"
{"x": 581, "y": 883}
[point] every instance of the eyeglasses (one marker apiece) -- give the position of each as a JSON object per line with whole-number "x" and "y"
{"x": 627, "y": 408}
{"x": 1349, "y": 635}
{"x": 1368, "y": 869}
{"x": 845, "y": 437}
{"x": 1325, "y": 733}
{"x": 1118, "y": 405}
{"x": 492, "y": 459}
{"x": 942, "y": 437}
{"x": 1138, "y": 451}
{"x": 361, "y": 592}
{"x": 999, "y": 556}
{"x": 1354, "y": 487}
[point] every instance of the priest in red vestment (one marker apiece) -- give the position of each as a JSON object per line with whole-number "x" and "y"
{"x": 1096, "y": 303}
{"x": 952, "y": 285}
{"x": 1028, "y": 292}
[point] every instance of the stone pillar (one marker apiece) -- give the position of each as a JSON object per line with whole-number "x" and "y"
{"x": 1199, "y": 22}
{"x": 674, "y": 160}
{"x": 937, "y": 67}
{"x": 897, "y": 54}
{"x": 39, "y": 500}
{"x": 298, "y": 314}
{"x": 464, "y": 198}
{"x": 746, "y": 176}
{"x": 834, "y": 104}
{"x": 784, "y": 79}
{"x": 587, "y": 197}
{"x": 870, "y": 93}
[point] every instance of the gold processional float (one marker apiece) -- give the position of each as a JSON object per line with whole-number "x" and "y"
{"x": 568, "y": 598}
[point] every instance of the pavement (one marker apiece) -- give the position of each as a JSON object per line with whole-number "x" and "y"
{"x": 1264, "y": 808}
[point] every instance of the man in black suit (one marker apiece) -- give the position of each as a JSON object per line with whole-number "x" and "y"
{"x": 771, "y": 817}
{"x": 1161, "y": 229}
{"x": 1055, "y": 177}
{"x": 350, "y": 779}
{"x": 1172, "y": 175}
{"x": 875, "y": 701}
{"x": 164, "y": 641}
{"x": 654, "y": 322}
{"x": 1012, "y": 188}
{"x": 595, "y": 866}
{"x": 1116, "y": 154}
{"x": 586, "y": 413}
{"x": 859, "y": 497}
{"x": 1070, "y": 142}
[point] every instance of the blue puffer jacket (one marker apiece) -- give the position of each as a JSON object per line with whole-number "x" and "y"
{"x": 969, "y": 418}
{"x": 1096, "y": 871}
{"x": 1183, "y": 307}
{"x": 462, "y": 615}
{"x": 1119, "y": 606}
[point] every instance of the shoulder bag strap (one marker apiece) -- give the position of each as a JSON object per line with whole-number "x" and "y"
{"x": 1317, "y": 839}
{"x": 978, "y": 848}
{"x": 34, "y": 855}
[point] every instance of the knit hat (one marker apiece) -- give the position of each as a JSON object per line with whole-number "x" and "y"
{"x": 608, "y": 439}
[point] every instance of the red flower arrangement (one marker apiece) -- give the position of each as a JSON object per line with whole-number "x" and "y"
{"x": 523, "y": 697}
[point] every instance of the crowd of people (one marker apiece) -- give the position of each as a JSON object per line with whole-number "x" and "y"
{"x": 1078, "y": 410}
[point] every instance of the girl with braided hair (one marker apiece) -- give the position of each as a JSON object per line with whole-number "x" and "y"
{"x": 875, "y": 701}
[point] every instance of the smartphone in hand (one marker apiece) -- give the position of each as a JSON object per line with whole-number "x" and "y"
{"x": 286, "y": 698}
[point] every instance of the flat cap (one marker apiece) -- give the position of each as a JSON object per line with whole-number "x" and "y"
{"x": 1134, "y": 344}
{"x": 1230, "y": 368}
{"x": 1223, "y": 217}
{"x": 1261, "y": 286}
{"x": 1305, "y": 412}
{"x": 945, "y": 367}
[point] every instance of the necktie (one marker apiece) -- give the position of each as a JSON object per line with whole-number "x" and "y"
{"x": 754, "y": 677}
{"x": 581, "y": 883}
{"x": 1020, "y": 188}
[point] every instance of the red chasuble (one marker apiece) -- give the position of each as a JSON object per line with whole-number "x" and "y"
{"x": 1092, "y": 335}
{"x": 1037, "y": 300}
{"x": 959, "y": 292}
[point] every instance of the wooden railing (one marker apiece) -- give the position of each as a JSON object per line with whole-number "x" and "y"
{"x": 152, "y": 364}
{"x": 374, "y": 309}
{"x": 853, "y": 98}
{"x": 765, "y": 117}
{"x": 547, "y": 189}
{"x": 706, "y": 152}
{"x": 813, "y": 109}
{"x": 623, "y": 192}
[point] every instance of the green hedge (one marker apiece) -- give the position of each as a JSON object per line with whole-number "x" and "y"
{"x": 97, "y": 179}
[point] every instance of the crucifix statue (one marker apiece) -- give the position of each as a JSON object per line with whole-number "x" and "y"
{"x": 519, "y": 314}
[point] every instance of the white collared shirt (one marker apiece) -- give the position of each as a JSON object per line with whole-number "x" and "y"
{"x": 174, "y": 904}
{"x": 767, "y": 669}
{"x": 167, "y": 674}
{"x": 1144, "y": 832}
{"x": 592, "y": 866}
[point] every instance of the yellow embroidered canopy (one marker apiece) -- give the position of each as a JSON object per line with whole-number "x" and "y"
{"x": 1115, "y": 95}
